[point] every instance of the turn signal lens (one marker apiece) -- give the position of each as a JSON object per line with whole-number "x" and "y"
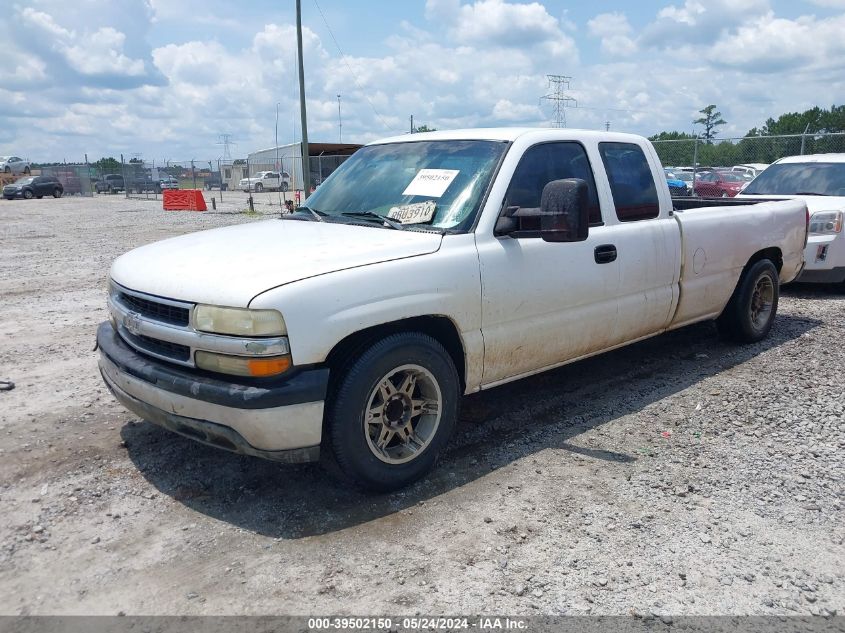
{"x": 242, "y": 365}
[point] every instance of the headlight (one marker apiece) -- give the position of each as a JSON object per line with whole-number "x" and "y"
{"x": 239, "y": 321}
{"x": 825, "y": 223}
{"x": 241, "y": 365}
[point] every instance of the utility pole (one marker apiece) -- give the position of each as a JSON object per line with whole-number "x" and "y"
{"x": 559, "y": 84}
{"x": 607, "y": 126}
{"x": 412, "y": 124}
{"x": 339, "y": 122}
{"x": 306, "y": 163}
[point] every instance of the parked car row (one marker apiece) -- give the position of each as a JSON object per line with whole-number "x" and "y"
{"x": 712, "y": 182}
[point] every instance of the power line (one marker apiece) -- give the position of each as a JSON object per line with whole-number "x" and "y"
{"x": 349, "y": 67}
{"x": 560, "y": 101}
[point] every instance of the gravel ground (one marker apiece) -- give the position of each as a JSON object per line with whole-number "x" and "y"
{"x": 676, "y": 476}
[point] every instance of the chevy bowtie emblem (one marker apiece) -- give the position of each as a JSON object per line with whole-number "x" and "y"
{"x": 132, "y": 322}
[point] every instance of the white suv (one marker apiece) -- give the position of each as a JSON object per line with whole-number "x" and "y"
{"x": 268, "y": 180}
{"x": 820, "y": 180}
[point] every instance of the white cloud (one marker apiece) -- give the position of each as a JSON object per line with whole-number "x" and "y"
{"x": 615, "y": 33}
{"x": 769, "y": 44}
{"x": 500, "y": 23}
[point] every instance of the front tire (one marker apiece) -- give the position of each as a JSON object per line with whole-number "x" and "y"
{"x": 27, "y": 194}
{"x": 259, "y": 188}
{"x": 284, "y": 186}
{"x": 751, "y": 311}
{"x": 394, "y": 410}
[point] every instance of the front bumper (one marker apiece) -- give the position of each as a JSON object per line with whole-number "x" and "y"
{"x": 824, "y": 258}
{"x": 281, "y": 420}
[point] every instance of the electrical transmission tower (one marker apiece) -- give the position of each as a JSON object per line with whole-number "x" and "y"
{"x": 226, "y": 142}
{"x": 560, "y": 101}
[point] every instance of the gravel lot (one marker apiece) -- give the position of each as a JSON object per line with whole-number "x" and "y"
{"x": 677, "y": 476}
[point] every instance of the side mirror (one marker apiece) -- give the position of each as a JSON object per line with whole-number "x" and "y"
{"x": 564, "y": 211}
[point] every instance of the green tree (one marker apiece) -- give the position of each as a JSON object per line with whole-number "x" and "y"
{"x": 425, "y": 128}
{"x": 106, "y": 165}
{"x": 710, "y": 119}
{"x": 675, "y": 149}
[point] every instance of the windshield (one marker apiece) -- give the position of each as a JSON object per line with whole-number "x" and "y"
{"x": 428, "y": 183}
{"x": 785, "y": 179}
{"x": 24, "y": 181}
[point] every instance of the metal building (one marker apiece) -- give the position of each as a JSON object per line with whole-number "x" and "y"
{"x": 324, "y": 159}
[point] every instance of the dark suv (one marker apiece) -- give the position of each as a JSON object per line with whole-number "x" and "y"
{"x": 111, "y": 183}
{"x": 34, "y": 187}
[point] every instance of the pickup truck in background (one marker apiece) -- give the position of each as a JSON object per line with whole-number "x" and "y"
{"x": 818, "y": 180}
{"x": 110, "y": 183}
{"x": 266, "y": 180}
{"x": 427, "y": 267}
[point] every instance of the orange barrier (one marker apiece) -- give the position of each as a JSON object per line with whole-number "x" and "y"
{"x": 183, "y": 200}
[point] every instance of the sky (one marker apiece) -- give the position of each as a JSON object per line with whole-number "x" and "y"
{"x": 164, "y": 79}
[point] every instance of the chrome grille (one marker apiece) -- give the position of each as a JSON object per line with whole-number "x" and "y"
{"x": 174, "y": 315}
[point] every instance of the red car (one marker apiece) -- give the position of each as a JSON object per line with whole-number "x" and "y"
{"x": 718, "y": 184}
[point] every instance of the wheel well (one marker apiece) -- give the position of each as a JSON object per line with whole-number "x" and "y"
{"x": 774, "y": 254}
{"x": 440, "y": 328}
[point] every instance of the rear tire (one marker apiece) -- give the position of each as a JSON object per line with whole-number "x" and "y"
{"x": 284, "y": 186}
{"x": 394, "y": 410}
{"x": 57, "y": 193}
{"x": 751, "y": 311}
{"x": 26, "y": 171}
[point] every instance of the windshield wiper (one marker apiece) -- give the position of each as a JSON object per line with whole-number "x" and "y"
{"x": 317, "y": 215}
{"x": 810, "y": 193}
{"x": 374, "y": 216}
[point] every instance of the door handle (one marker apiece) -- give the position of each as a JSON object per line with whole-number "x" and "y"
{"x": 605, "y": 253}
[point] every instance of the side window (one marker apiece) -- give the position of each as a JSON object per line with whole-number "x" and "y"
{"x": 541, "y": 165}
{"x": 631, "y": 182}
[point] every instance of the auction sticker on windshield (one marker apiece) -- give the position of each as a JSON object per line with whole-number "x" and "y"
{"x": 431, "y": 182}
{"x": 413, "y": 213}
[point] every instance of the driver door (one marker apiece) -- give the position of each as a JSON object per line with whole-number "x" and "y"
{"x": 544, "y": 303}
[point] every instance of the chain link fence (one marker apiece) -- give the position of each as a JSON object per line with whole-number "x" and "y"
{"x": 141, "y": 179}
{"x": 730, "y": 152}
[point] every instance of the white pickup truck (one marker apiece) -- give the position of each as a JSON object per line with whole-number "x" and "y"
{"x": 424, "y": 268}
{"x": 819, "y": 180}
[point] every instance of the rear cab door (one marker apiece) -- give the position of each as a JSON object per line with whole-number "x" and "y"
{"x": 646, "y": 238}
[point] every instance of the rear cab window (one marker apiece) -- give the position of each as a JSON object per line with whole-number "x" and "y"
{"x": 631, "y": 181}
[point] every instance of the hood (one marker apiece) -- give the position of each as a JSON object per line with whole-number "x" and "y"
{"x": 231, "y": 265}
